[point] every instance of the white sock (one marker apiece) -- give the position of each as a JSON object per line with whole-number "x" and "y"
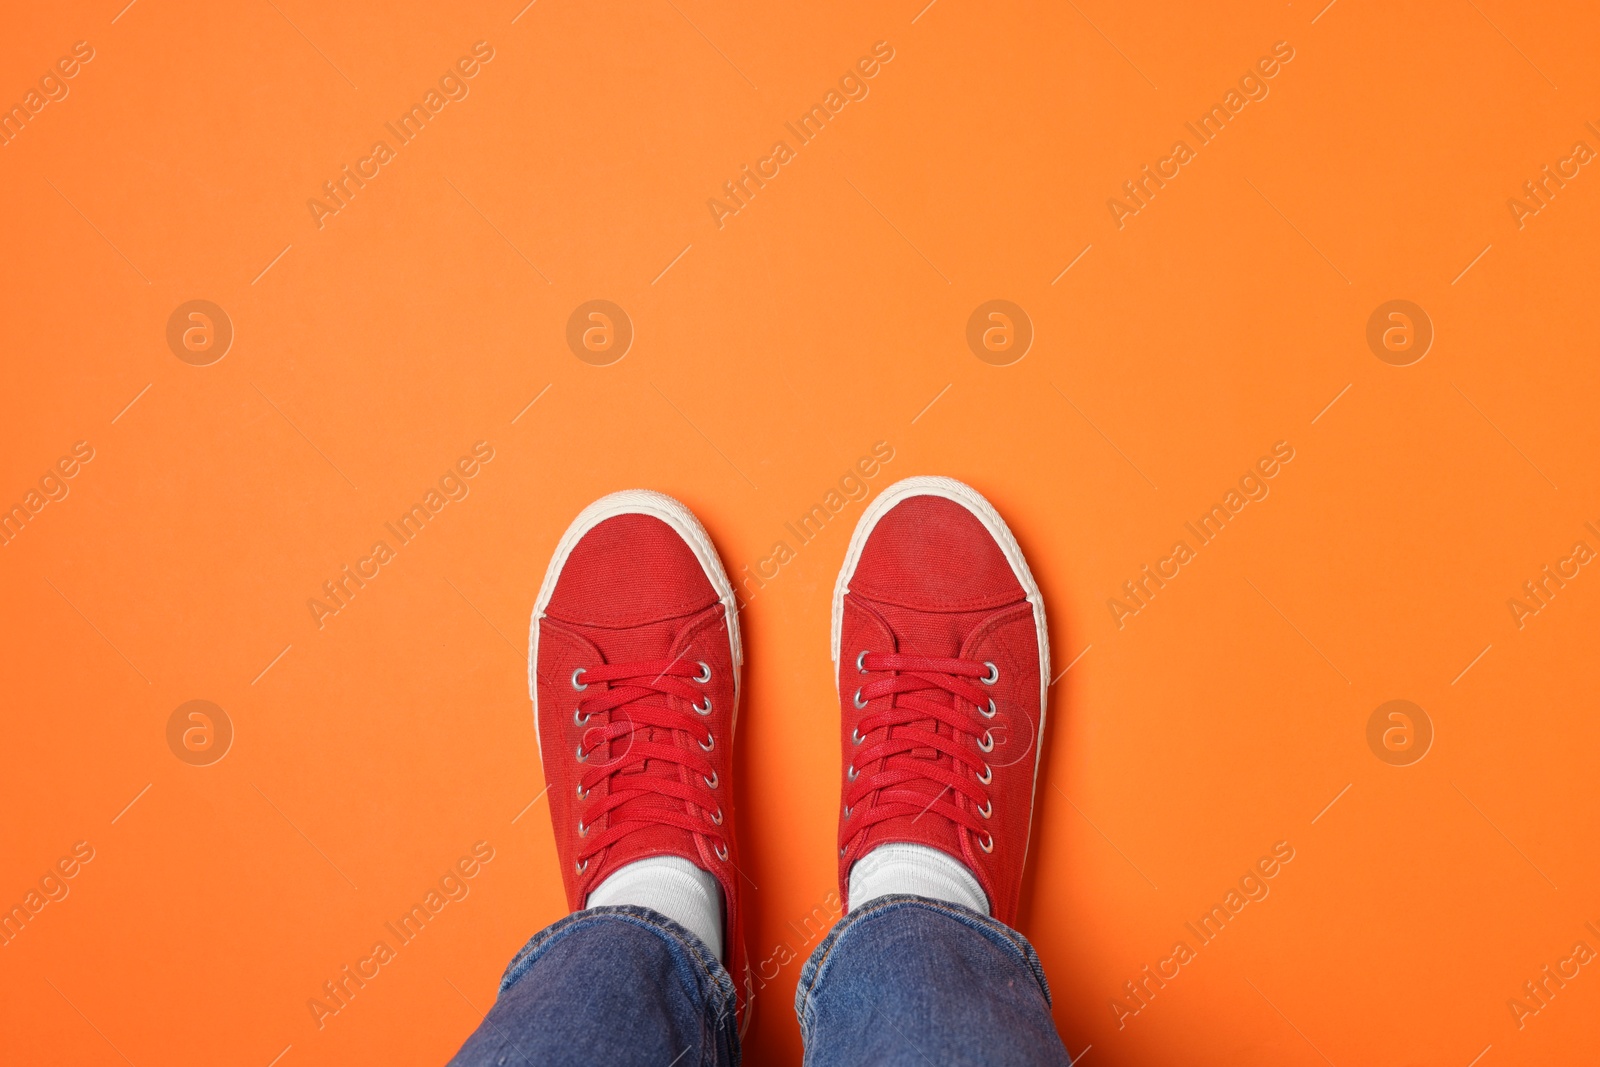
{"x": 898, "y": 867}
{"x": 673, "y": 886}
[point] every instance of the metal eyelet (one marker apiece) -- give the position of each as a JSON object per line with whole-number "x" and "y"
{"x": 705, "y": 673}
{"x": 717, "y": 818}
{"x": 583, "y": 757}
{"x": 855, "y": 737}
{"x": 583, "y": 831}
{"x": 991, "y": 712}
{"x": 851, "y": 773}
{"x": 987, "y": 809}
{"x": 989, "y": 846}
{"x": 579, "y": 686}
{"x": 722, "y": 851}
{"x": 861, "y": 662}
{"x": 989, "y": 737}
{"x": 576, "y": 721}
{"x": 711, "y": 783}
{"x": 987, "y": 776}
{"x": 583, "y": 794}
{"x": 842, "y": 851}
{"x": 847, "y": 811}
{"x": 710, "y": 742}
{"x": 698, "y": 710}
{"x": 858, "y": 701}
{"x": 993, "y": 676}
{"x": 584, "y": 866}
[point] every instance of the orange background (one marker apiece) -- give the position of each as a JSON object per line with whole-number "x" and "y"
{"x": 372, "y": 752}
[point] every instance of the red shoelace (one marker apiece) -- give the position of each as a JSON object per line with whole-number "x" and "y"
{"x": 957, "y": 766}
{"x": 641, "y": 727}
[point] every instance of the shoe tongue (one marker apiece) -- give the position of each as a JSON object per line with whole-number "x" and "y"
{"x": 630, "y": 645}
{"x": 936, "y": 635}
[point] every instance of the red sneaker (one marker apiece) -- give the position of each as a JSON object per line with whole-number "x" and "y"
{"x": 634, "y": 670}
{"x": 942, "y": 667}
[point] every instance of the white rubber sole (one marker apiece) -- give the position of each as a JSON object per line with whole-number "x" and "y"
{"x": 686, "y": 526}
{"x": 974, "y": 502}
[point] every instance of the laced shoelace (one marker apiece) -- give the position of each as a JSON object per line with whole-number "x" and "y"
{"x": 629, "y": 689}
{"x": 883, "y": 794}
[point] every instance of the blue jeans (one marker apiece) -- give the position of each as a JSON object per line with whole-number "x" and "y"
{"x": 901, "y": 980}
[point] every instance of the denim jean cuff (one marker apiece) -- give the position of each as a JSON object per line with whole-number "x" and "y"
{"x": 815, "y": 972}
{"x": 693, "y": 962}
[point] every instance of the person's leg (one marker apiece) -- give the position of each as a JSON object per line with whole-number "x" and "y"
{"x": 942, "y": 665}
{"x": 613, "y": 985}
{"x": 907, "y": 980}
{"x": 633, "y": 667}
